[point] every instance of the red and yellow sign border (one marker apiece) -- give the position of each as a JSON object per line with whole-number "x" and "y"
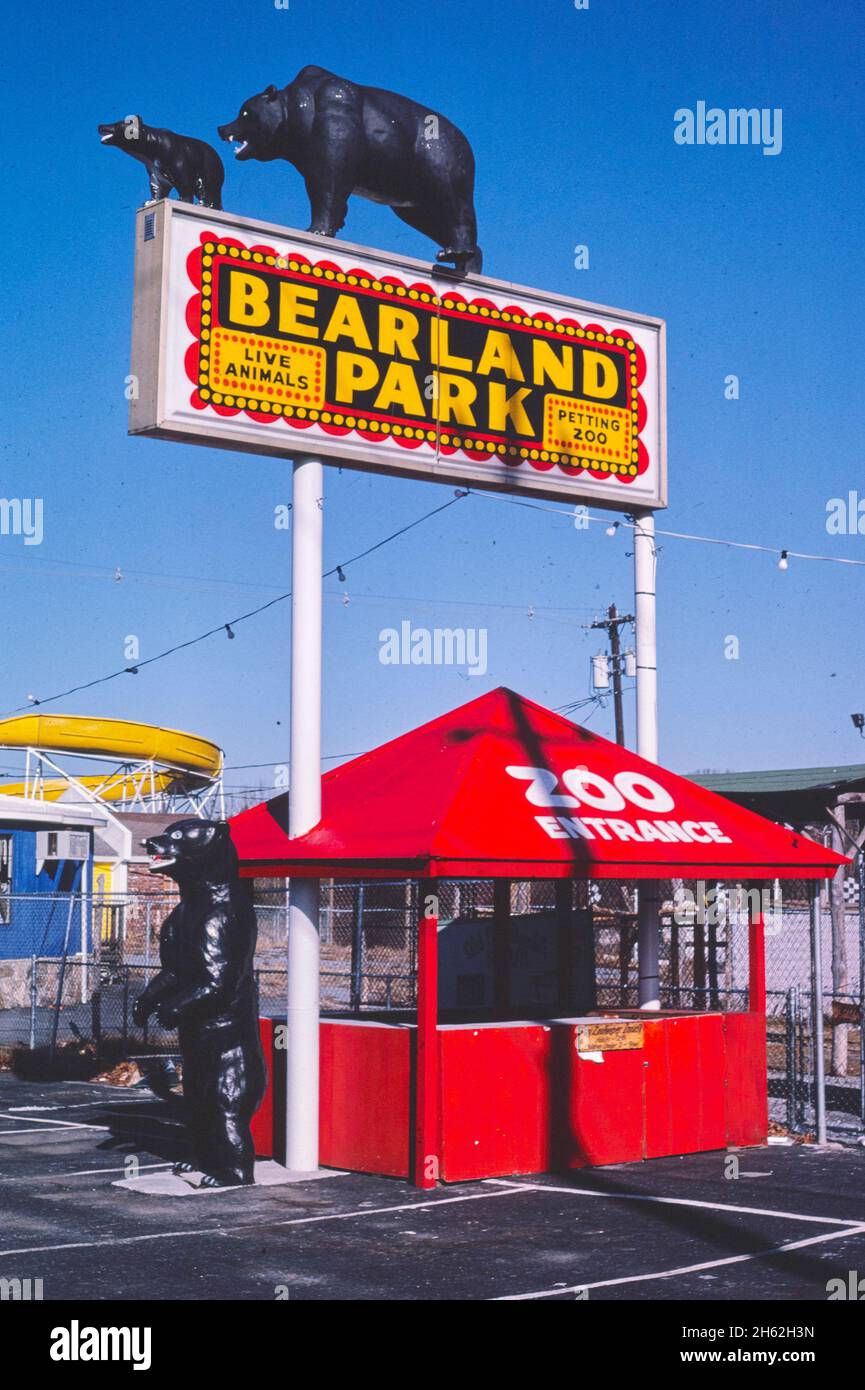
{"x": 202, "y": 265}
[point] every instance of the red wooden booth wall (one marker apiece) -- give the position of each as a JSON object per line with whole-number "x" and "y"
{"x": 520, "y": 1098}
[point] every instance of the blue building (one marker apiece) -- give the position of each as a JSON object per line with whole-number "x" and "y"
{"x": 46, "y": 871}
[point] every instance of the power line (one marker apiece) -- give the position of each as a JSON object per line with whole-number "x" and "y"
{"x": 49, "y": 568}
{"x": 529, "y": 609}
{"x": 783, "y": 553}
{"x": 278, "y": 762}
{"x": 227, "y": 627}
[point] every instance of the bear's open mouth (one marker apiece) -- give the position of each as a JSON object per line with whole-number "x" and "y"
{"x": 161, "y": 861}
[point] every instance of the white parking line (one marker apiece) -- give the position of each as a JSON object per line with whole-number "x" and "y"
{"x": 57, "y": 1129}
{"x": 265, "y": 1225}
{"x": 75, "y": 1104}
{"x": 34, "y": 1120}
{"x": 677, "y": 1202}
{"x": 683, "y": 1269}
{"x": 78, "y": 1173}
{"x": 55, "y": 1125}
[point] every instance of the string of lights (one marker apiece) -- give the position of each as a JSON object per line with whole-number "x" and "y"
{"x": 228, "y": 627}
{"x": 784, "y": 554}
{"x": 69, "y": 570}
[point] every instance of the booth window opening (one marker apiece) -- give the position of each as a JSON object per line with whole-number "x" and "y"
{"x": 538, "y": 947}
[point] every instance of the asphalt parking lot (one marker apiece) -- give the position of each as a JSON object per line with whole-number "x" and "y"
{"x": 671, "y": 1229}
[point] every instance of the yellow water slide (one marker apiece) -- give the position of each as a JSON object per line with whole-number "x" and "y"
{"x": 183, "y": 760}
{"x": 121, "y": 788}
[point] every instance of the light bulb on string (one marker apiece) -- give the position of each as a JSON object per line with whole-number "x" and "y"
{"x": 613, "y": 528}
{"x": 784, "y": 563}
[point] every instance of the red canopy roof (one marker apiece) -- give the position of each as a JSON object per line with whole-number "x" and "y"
{"x": 502, "y": 787}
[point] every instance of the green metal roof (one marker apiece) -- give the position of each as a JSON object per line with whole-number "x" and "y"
{"x": 793, "y": 795}
{"x": 780, "y": 780}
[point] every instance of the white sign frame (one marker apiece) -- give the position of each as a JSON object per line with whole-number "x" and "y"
{"x": 166, "y": 233}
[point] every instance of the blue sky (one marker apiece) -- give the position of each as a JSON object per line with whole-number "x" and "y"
{"x": 754, "y": 261}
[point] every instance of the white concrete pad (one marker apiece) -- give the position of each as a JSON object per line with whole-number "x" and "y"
{"x": 268, "y": 1173}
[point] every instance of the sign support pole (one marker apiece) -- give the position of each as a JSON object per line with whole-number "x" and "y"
{"x": 645, "y": 561}
{"x": 304, "y": 812}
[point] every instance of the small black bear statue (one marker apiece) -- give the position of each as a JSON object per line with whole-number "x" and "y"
{"x": 206, "y": 989}
{"x": 344, "y": 139}
{"x": 191, "y": 167}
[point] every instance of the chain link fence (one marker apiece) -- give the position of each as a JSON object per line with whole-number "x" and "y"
{"x": 71, "y": 966}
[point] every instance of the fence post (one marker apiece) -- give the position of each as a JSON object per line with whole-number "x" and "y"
{"x": 501, "y": 946}
{"x": 700, "y": 954}
{"x": 800, "y": 1059}
{"x": 62, "y": 975}
{"x": 819, "y": 1060}
{"x": 790, "y": 1047}
{"x": 83, "y": 898}
{"x": 96, "y": 1018}
{"x": 357, "y": 961}
{"x": 33, "y": 1001}
{"x": 125, "y": 1032}
{"x": 146, "y": 944}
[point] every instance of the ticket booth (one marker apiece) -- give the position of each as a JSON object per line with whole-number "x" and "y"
{"x": 502, "y": 789}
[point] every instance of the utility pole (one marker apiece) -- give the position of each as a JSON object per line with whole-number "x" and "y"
{"x": 611, "y": 624}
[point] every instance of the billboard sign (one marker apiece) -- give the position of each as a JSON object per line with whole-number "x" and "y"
{"x": 260, "y": 338}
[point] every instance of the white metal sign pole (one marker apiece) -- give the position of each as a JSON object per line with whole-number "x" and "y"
{"x": 647, "y": 658}
{"x": 304, "y": 811}
{"x": 645, "y": 555}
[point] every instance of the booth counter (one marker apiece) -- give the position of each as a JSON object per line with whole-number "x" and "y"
{"x": 532, "y": 1097}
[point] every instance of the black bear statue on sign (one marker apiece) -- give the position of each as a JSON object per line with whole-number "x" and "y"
{"x": 206, "y": 989}
{"x": 344, "y": 139}
{"x": 191, "y": 167}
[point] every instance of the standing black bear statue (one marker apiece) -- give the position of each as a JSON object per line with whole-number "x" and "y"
{"x": 206, "y": 989}
{"x": 191, "y": 167}
{"x": 344, "y": 139}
